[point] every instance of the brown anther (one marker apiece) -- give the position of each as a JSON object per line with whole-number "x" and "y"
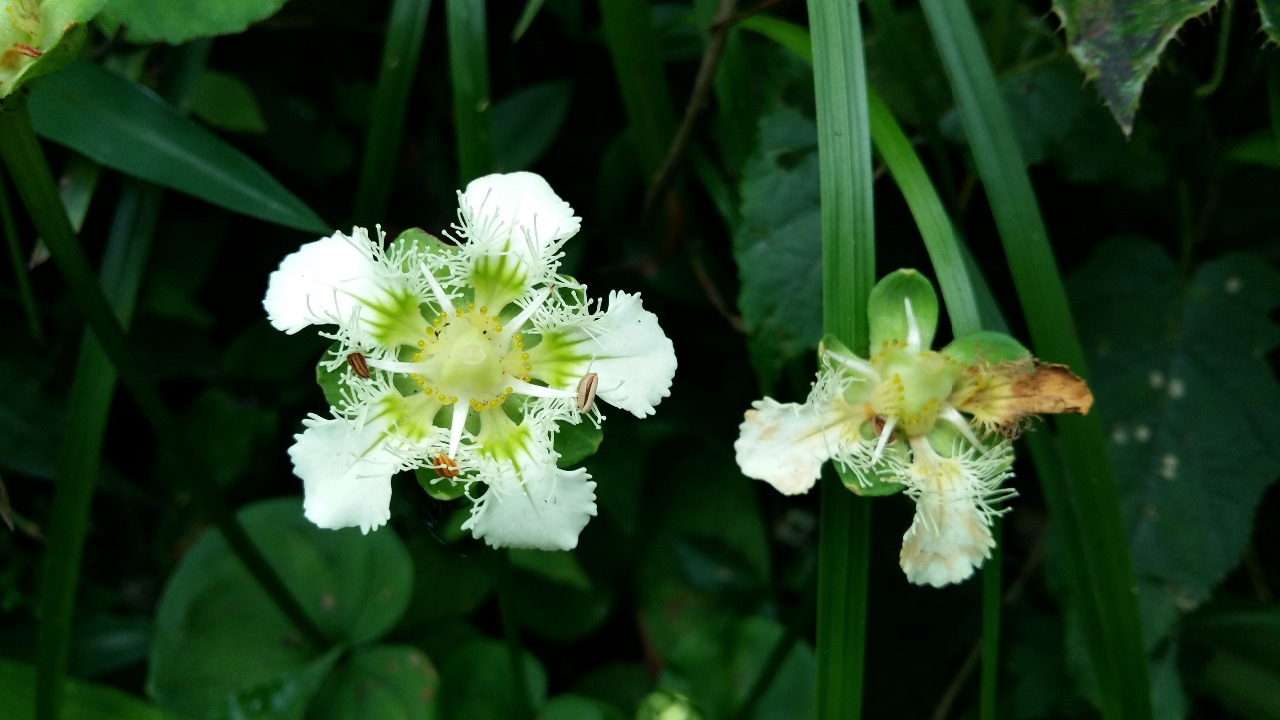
{"x": 25, "y": 49}
{"x": 587, "y": 391}
{"x": 444, "y": 466}
{"x": 358, "y": 364}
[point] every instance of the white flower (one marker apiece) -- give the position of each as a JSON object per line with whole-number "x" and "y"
{"x": 905, "y": 419}
{"x": 474, "y": 354}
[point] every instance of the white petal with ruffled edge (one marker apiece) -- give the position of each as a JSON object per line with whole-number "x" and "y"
{"x": 950, "y": 535}
{"x": 518, "y": 206}
{"x": 329, "y": 281}
{"x": 515, "y": 225}
{"x": 786, "y": 444}
{"x": 346, "y": 473}
{"x": 946, "y": 542}
{"x": 634, "y": 361}
{"x": 537, "y": 506}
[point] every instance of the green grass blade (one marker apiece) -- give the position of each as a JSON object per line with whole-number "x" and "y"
{"x": 848, "y": 261}
{"x": 406, "y": 27}
{"x": 469, "y": 72}
{"x": 129, "y": 128}
{"x": 1086, "y": 509}
{"x": 531, "y": 8}
{"x": 637, "y": 63}
{"x": 930, "y": 215}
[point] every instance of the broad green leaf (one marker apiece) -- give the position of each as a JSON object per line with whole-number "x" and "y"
{"x": 720, "y": 510}
{"x": 127, "y": 127}
{"x": 1191, "y": 409}
{"x": 225, "y": 101}
{"x": 147, "y": 21}
{"x": 476, "y": 682}
{"x": 282, "y": 698}
{"x": 1118, "y": 42}
{"x": 384, "y": 681}
{"x": 778, "y": 246}
{"x": 558, "y": 599}
{"x": 526, "y": 122}
{"x": 717, "y": 667}
{"x": 436, "y": 565}
{"x": 81, "y": 701}
{"x": 1058, "y": 120}
{"x": 1270, "y": 12}
{"x": 217, "y": 632}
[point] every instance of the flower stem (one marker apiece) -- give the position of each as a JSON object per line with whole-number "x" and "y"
{"x": 21, "y": 154}
{"x": 848, "y": 260}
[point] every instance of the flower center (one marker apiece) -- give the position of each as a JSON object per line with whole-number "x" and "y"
{"x": 466, "y": 356}
{"x": 914, "y": 387}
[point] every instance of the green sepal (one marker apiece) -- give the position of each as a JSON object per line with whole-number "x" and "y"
{"x": 886, "y": 311}
{"x": 423, "y": 242}
{"x": 876, "y": 483}
{"x": 985, "y": 346}
{"x": 576, "y": 443}
{"x": 832, "y": 344}
{"x": 330, "y": 381}
{"x": 437, "y": 487}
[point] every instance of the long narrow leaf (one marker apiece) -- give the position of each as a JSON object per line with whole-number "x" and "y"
{"x": 1085, "y": 509}
{"x": 469, "y": 72}
{"x": 129, "y": 128}
{"x": 628, "y": 30}
{"x": 848, "y": 262}
{"x": 405, "y": 29}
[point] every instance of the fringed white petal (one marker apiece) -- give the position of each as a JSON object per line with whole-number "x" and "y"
{"x": 346, "y": 473}
{"x": 955, "y": 502}
{"x": 634, "y": 361}
{"x": 519, "y": 206}
{"x": 332, "y": 281}
{"x": 533, "y": 504}
{"x": 946, "y": 542}
{"x": 786, "y": 444}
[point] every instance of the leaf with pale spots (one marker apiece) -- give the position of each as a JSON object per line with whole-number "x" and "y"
{"x": 1190, "y": 406}
{"x": 219, "y": 635}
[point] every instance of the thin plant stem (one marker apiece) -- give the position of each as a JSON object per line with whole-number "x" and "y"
{"x": 1219, "y": 58}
